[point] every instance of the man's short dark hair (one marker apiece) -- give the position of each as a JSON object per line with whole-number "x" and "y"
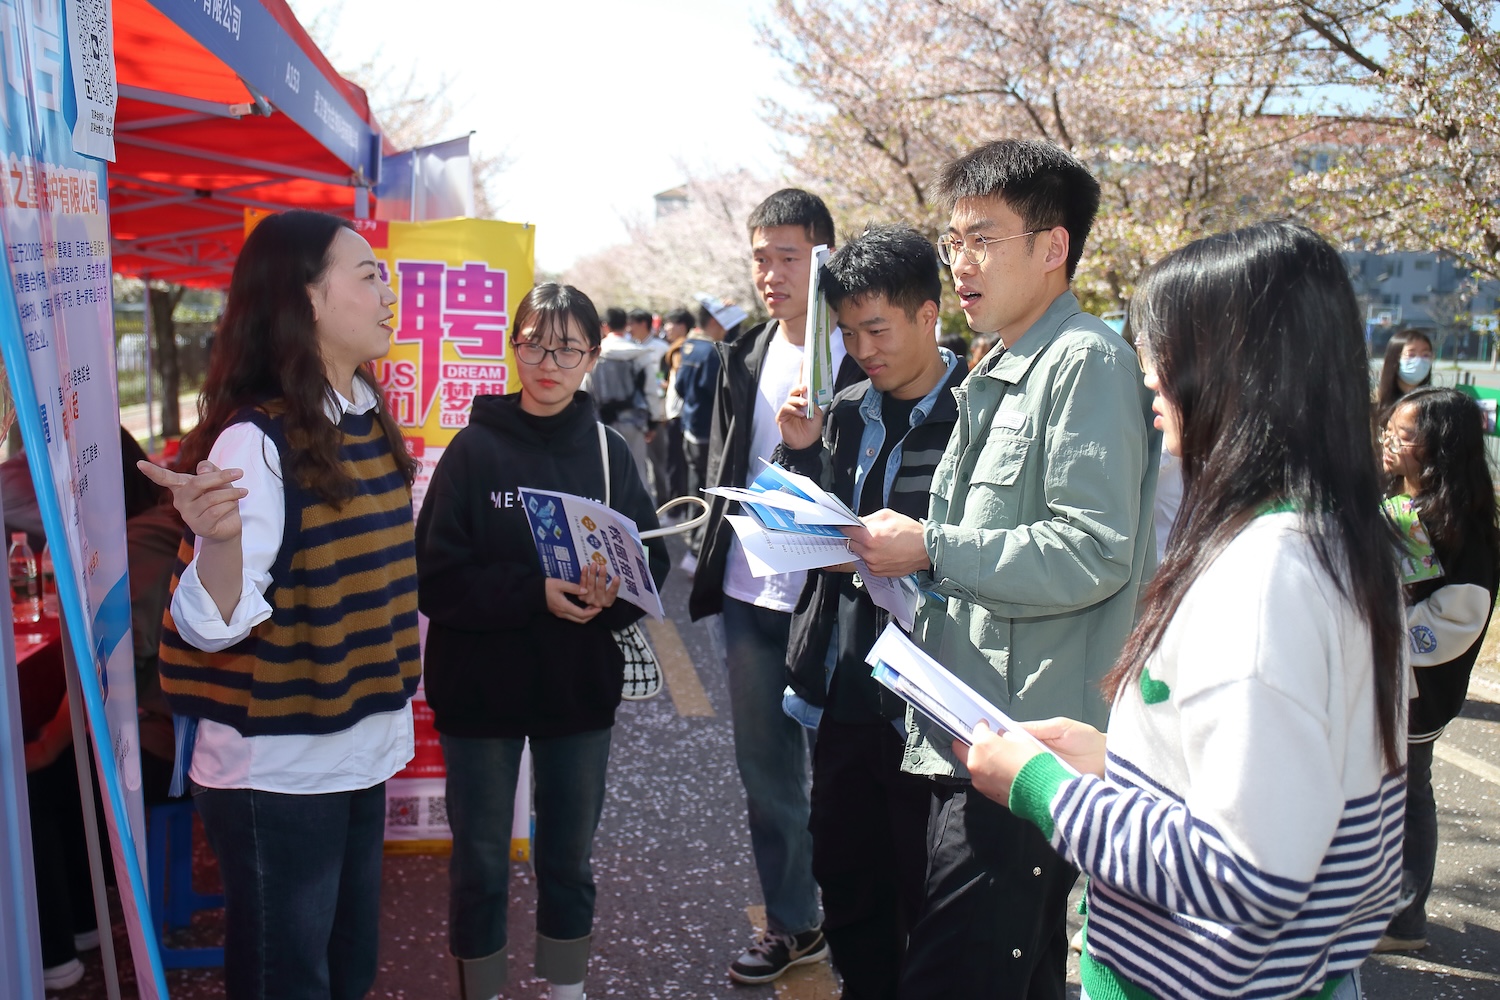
{"x": 641, "y": 316}
{"x": 614, "y": 319}
{"x": 794, "y": 207}
{"x": 895, "y": 261}
{"x": 680, "y": 317}
{"x": 1041, "y": 182}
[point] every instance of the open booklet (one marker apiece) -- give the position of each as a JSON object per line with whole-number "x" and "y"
{"x": 569, "y": 530}
{"x": 790, "y": 524}
{"x": 793, "y": 524}
{"x": 933, "y": 690}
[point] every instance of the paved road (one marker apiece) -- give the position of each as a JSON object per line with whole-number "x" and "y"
{"x": 678, "y": 895}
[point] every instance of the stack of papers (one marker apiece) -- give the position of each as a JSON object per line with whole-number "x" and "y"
{"x": 570, "y": 530}
{"x": 793, "y": 524}
{"x": 930, "y": 688}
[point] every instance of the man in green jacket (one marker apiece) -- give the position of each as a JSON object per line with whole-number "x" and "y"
{"x": 1036, "y": 543}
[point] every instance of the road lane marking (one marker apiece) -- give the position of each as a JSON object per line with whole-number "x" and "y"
{"x": 1403, "y": 961}
{"x": 1468, "y": 762}
{"x": 803, "y": 982}
{"x": 677, "y": 670}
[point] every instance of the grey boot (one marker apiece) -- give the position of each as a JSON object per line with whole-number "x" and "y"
{"x": 562, "y": 961}
{"x": 482, "y": 978}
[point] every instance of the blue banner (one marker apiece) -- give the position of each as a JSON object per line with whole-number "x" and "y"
{"x": 253, "y": 44}
{"x": 57, "y": 340}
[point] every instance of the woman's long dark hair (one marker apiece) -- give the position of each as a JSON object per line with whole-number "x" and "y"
{"x": 1388, "y": 390}
{"x": 1256, "y": 339}
{"x": 1457, "y": 497}
{"x": 266, "y": 348}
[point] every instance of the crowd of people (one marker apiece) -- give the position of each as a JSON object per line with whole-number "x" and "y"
{"x": 1231, "y": 709}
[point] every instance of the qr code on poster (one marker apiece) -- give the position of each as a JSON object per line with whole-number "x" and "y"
{"x": 437, "y": 810}
{"x": 402, "y": 810}
{"x": 98, "y": 58}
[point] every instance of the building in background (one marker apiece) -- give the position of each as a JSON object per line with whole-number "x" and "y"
{"x": 1429, "y": 292}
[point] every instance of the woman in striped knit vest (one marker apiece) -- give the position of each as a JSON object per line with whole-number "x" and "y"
{"x": 1241, "y": 829}
{"x": 291, "y": 641}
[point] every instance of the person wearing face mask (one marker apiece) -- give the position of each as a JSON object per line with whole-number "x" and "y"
{"x": 1408, "y": 365}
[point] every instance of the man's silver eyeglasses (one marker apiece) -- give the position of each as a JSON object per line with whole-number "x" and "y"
{"x": 564, "y": 357}
{"x": 949, "y": 248}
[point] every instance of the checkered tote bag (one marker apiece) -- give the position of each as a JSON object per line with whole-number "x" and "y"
{"x": 642, "y": 671}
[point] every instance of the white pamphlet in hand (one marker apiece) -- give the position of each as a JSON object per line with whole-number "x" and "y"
{"x": 895, "y": 594}
{"x": 933, "y": 690}
{"x": 770, "y": 552}
{"x": 569, "y": 530}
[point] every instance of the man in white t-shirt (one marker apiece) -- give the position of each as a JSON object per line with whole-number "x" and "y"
{"x": 756, "y": 375}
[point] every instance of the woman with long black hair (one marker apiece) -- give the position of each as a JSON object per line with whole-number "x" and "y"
{"x": 1242, "y": 826}
{"x": 1407, "y": 366}
{"x": 1433, "y": 447}
{"x": 289, "y": 653}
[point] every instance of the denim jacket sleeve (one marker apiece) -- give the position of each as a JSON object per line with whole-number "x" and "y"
{"x": 1050, "y": 509}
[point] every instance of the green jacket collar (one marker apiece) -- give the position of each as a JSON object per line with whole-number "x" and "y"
{"x": 1016, "y": 361}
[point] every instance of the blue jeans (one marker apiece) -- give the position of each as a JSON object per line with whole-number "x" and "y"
{"x": 771, "y": 751}
{"x": 1419, "y": 849}
{"x": 301, "y": 890}
{"x": 482, "y": 776}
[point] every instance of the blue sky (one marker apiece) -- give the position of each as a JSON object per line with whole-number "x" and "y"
{"x": 599, "y": 104}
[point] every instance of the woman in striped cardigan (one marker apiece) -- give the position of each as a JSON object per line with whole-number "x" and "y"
{"x": 289, "y": 652}
{"x": 1242, "y": 826}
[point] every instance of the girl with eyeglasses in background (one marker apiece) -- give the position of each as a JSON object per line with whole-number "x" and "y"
{"x": 1433, "y": 448}
{"x": 513, "y": 654}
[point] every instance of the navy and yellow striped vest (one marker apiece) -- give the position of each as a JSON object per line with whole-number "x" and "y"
{"x": 341, "y": 642}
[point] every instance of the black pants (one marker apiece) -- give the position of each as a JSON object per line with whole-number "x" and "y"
{"x": 696, "y": 453}
{"x": 677, "y": 469}
{"x": 60, "y": 858}
{"x": 1419, "y": 849}
{"x": 869, "y": 828}
{"x": 994, "y": 922}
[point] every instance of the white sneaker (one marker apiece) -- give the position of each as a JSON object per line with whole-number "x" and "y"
{"x": 86, "y": 940}
{"x": 60, "y": 977}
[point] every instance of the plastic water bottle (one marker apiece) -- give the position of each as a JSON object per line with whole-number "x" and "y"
{"x": 49, "y": 583}
{"x": 25, "y": 587}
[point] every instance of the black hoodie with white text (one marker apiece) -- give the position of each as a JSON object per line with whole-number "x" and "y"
{"x": 497, "y": 663}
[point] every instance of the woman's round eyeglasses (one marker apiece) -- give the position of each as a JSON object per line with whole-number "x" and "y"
{"x": 1393, "y": 444}
{"x": 563, "y": 357}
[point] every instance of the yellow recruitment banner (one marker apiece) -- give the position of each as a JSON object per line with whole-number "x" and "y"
{"x": 457, "y": 284}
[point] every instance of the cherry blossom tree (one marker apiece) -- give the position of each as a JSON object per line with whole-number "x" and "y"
{"x": 1421, "y": 79}
{"x": 1185, "y": 115}
{"x": 703, "y": 247}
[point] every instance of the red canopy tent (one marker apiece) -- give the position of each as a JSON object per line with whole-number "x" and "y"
{"x": 199, "y": 140}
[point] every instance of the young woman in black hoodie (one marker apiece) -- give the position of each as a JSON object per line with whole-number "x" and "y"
{"x": 512, "y": 654}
